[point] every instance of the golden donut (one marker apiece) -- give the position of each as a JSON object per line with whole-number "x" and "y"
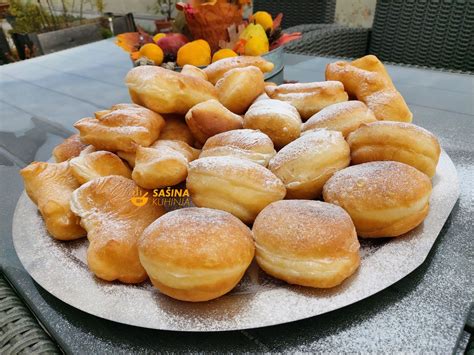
{"x": 90, "y": 166}
{"x": 210, "y": 118}
{"x": 235, "y": 185}
{"x": 129, "y": 157}
{"x": 69, "y": 148}
{"x": 123, "y": 127}
{"x": 191, "y": 70}
{"x": 167, "y": 91}
{"x": 398, "y": 141}
{"x": 277, "y": 119}
{"x": 239, "y": 87}
{"x": 176, "y": 129}
{"x": 196, "y": 254}
{"x": 49, "y": 186}
{"x": 113, "y": 225}
{"x": 344, "y": 117}
{"x": 309, "y": 98}
{"x": 262, "y": 96}
{"x": 367, "y": 80}
{"x": 163, "y": 164}
{"x": 240, "y": 143}
{"x": 216, "y": 70}
{"x": 383, "y": 198}
{"x": 307, "y": 163}
{"x": 307, "y": 243}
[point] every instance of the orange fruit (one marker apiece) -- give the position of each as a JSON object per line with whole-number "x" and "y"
{"x": 203, "y": 44}
{"x": 223, "y": 53}
{"x": 158, "y": 36}
{"x": 197, "y": 53}
{"x": 152, "y": 52}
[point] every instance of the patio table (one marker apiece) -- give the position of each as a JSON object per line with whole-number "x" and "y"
{"x": 426, "y": 311}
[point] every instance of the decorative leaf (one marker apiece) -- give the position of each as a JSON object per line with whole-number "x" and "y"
{"x": 132, "y": 41}
{"x": 285, "y": 38}
{"x": 277, "y": 21}
{"x": 234, "y": 34}
{"x": 239, "y": 47}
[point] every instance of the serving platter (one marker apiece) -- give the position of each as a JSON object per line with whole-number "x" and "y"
{"x": 258, "y": 300}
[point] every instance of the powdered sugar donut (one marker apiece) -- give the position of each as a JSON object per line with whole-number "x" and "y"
{"x": 235, "y": 185}
{"x": 196, "y": 254}
{"x": 240, "y": 143}
{"x": 307, "y": 163}
{"x": 383, "y": 198}
{"x": 309, "y": 98}
{"x": 308, "y": 243}
{"x": 344, "y": 117}
{"x": 277, "y": 119}
{"x": 398, "y": 141}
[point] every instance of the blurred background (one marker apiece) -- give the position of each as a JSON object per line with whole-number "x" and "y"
{"x": 429, "y": 33}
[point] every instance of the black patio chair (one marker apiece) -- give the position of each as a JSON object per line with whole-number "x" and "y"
{"x": 299, "y": 11}
{"x": 20, "y": 333}
{"x": 428, "y": 33}
{"x": 5, "y": 52}
{"x": 329, "y": 40}
{"x": 122, "y": 24}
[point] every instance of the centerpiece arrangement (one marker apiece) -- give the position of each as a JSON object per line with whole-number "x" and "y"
{"x": 205, "y": 32}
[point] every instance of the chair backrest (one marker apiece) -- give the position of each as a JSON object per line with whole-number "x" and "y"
{"x": 54, "y": 41}
{"x": 297, "y": 12}
{"x": 430, "y": 33}
{"x": 5, "y": 51}
{"x": 124, "y": 24}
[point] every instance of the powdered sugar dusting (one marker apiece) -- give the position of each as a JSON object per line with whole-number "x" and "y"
{"x": 321, "y": 140}
{"x": 404, "y": 125}
{"x": 364, "y": 182}
{"x": 235, "y": 168}
{"x": 307, "y": 228}
{"x": 259, "y": 300}
{"x": 304, "y": 87}
{"x": 337, "y": 110}
{"x": 240, "y": 138}
{"x": 269, "y": 107}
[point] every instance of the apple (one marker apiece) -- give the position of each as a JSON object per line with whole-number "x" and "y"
{"x": 170, "y": 45}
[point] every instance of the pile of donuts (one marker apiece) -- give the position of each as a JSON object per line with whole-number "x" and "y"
{"x": 258, "y": 161}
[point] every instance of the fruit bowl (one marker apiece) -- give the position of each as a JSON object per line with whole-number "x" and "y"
{"x": 275, "y": 56}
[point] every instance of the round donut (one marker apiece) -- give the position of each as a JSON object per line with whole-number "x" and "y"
{"x": 309, "y": 98}
{"x": 239, "y": 87}
{"x": 344, "y": 117}
{"x": 217, "y": 70}
{"x": 397, "y": 141}
{"x": 196, "y": 254}
{"x": 235, "y": 185}
{"x": 277, "y": 119}
{"x": 240, "y": 143}
{"x": 176, "y": 129}
{"x": 209, "y": 118}
{"x": 166, "y": 91}
{"x": 307, "y": 163}
{"x": 308, "y": 243}
{"x": 69, "y": 148}
{"x": 383, "y": 198}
